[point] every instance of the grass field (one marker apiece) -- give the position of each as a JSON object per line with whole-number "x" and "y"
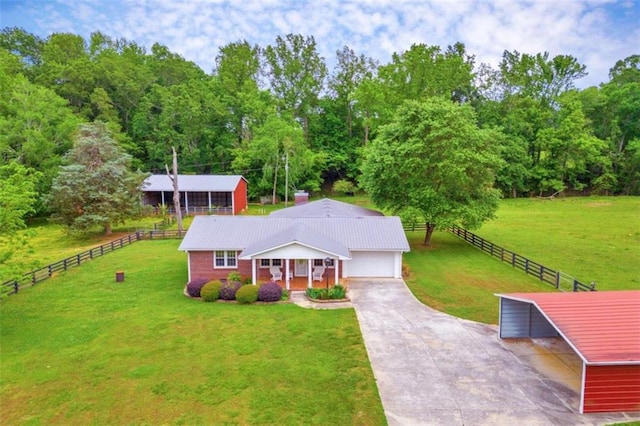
{"x": 82, "y": 349}
{"x": 592, "y": 238}
{"x": 454, "y": 277}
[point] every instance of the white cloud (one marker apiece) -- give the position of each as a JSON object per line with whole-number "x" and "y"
{"x": 596, "y": 32}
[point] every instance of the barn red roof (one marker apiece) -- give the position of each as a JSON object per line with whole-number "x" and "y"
{"x": 602, "y": 326}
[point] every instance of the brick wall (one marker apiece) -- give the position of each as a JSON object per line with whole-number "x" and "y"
{"x": 202, "y": 267}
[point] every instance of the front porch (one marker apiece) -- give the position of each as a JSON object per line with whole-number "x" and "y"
{"x": 301, "y": 284}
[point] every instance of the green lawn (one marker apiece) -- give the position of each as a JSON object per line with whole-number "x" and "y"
{"x": 454, "y": 277}
{"x": 592, "y": 238}
{"x": 82, "y": 349}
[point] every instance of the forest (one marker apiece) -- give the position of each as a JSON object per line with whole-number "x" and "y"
{"x": 262, "y": 106}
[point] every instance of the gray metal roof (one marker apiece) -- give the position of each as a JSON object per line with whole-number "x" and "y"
{"x": 369, "y": 233}
{"x": 193, "y": 183}
{"x": 326, "y": 208}
{"x": 297, "y": 233}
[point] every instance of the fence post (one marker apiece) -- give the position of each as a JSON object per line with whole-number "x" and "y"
{"x": 16, "y": 286}
{"x": 526, "y": 265}
{"x": 513, "y": 259}
{"x": 541, "y": 273}
{"x": 64, "y": 262}
{"x": 78, "y": 257}
{"x": 557, "y": 279}
{"x": 575, "y": 285}
{"x": 50, "y": 270}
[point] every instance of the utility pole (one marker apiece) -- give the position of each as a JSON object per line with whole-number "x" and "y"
{"x": 286, "y": 179}
{"x": 176, "y": 191}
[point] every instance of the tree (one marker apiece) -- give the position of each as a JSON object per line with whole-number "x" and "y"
{"x": 262, "y": 159}
{"x": 297, "y": 75}
{"x": 433, "y": 158}
{"x": 96, "y": 187}
{"x": 18, "y": 197}
{"x": 35, "y": 126}
{"x": 237, "y": 69}
{"x": 350, "y": 71}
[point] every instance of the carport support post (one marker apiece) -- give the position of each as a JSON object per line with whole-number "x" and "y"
{"x": 336, "y": 261}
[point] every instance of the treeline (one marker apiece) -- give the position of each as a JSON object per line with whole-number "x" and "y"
{"x": 263, "y": 104}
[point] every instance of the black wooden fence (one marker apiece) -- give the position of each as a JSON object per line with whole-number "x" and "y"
{"x": 35, "y": 276}
{"x": 556, "y": 278}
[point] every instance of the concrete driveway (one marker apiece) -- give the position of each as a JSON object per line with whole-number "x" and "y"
{"x": 435, "y": 369}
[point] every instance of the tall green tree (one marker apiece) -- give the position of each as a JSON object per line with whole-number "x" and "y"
{"x": 350, "y": 70}
{"x": 18, "y": 195}
{"x": 433, "y": 158}
{"x": 35, "y": 125}
{"x": 296, "y": 73}
{"x": 538, "y": 75}
{"x": 96, "y": 187}
{"x": 263, "y": 159}
{"x": 570, "y": 156}
{"x": 237, "y": 70}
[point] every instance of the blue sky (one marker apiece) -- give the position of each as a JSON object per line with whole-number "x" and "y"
{"x": 596, "y": 32}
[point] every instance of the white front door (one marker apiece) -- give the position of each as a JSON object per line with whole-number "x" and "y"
{"x": 300, "y": 268}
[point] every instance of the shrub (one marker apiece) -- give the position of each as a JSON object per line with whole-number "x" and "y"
{"x": 270, "y": 292}
{"x": 229, "y": 289}
{"x": 344, "y": 187}
{"x": 247, "y": 294}
{"x": 234, "y": 276}
{"x": 337, "y": 292}
{"x": 194, "y": 287}
{"x": 317, "y": 293}
{"x": 211, "y": 291}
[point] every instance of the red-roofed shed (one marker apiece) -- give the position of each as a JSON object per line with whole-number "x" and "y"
{"x": 602, "y": 327}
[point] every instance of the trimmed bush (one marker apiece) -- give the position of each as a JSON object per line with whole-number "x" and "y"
{"x": 229, "y": 289}
{"x": 247, "y": 294}
{"x": 337, "y": 292}
{"x": 211, "y": 291}
{"x": 194, "y": 287}
{"x": 234, "y": 276}
{"x": 270, "y": 292}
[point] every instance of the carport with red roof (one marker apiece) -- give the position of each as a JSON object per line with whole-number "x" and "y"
{"x": 602, "y": 327}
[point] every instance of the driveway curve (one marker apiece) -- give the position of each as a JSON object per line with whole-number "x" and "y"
{"x": 435, "y": 369}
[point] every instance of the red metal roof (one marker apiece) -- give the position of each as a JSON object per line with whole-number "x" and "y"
{"x": 602, "y": 326}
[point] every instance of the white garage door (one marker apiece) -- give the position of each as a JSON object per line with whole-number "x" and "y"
{"x": 370, "y": 264}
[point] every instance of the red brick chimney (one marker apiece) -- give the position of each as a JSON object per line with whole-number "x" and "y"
{"x": 301, "y": 198}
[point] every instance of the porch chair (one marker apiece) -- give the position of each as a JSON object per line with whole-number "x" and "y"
{"x": 276, "y": 273}
{"x": 317, "y": 273}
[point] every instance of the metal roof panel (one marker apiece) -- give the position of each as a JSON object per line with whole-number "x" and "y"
{"x": 374, "y": 233}
{"x": 193, "y": 183}
{"x": 603, "y": 326}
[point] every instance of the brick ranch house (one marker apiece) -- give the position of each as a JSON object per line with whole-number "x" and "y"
{"x": 325, "y": 239}
{"x": 218, "y": 194}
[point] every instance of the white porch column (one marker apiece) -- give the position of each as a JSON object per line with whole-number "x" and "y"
{"x": 209, "y": 193}
{"x": 253, "y": 271}
{"x": 309, "y": 278}
{"x": 162, "y": 196}
{"x": 186, "y": 203}
{"x": 336, "y": 262}
{"x": 286, "y": 272}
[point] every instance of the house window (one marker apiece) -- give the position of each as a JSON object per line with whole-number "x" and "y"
{"x": 320, "y": 262}
{"x": 224, "y": 259}
{"x": 267, "y": 263}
